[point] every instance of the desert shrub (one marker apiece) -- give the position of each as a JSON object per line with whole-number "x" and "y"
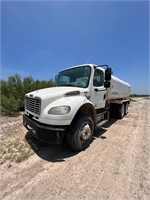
{"x": 14, "y": 89}
{"x": 139, "y": 95}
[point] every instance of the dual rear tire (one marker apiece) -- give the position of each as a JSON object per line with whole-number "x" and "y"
{"x": 122, "y": 110}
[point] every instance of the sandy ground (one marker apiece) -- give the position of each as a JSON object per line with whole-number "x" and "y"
{"x": 115, "y": 166}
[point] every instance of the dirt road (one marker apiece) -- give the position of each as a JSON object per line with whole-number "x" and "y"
{"x": 115, "y": 166}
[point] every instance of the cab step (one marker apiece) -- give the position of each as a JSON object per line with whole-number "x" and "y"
{"x": 102, "y": 123}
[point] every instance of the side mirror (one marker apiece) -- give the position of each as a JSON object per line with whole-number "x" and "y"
{"x": 107, "y": 84}
{"x": 108, "y": 74}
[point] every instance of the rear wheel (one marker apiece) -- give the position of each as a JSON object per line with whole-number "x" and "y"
{"x": 126, "y": 108}
{"x": 121, "y": 111}
{"x": 81, "y": 132}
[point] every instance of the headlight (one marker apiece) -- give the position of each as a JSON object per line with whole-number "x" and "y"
{"x": 60, "y": 110}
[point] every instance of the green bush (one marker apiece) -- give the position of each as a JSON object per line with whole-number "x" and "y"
{"x": 14, "y": 89}
{"x": 139, "y": 95}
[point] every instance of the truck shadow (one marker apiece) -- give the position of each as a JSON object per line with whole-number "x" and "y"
{"x": 49, "y": 152}
{"x": 58, "y": 153}
{"x": 111, "y": 121}
{"x": 101, "y": 131}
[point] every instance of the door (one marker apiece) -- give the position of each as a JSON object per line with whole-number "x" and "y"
{"x": 99, "y": 91}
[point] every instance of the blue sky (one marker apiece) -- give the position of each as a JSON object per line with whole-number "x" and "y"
{"x": 40, "y": 38}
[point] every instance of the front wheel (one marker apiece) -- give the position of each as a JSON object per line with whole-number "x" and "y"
{"x": 80, "y": 133}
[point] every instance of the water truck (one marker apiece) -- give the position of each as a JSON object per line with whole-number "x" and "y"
{"x": 83, "y": 99}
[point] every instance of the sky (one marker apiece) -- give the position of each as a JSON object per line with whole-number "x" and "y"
{"x": 41, "y": 38}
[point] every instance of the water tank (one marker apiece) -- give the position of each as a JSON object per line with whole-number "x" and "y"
{"x": 118, "y": 89}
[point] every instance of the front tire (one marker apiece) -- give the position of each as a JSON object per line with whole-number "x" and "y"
{"x": 80, "y": 133}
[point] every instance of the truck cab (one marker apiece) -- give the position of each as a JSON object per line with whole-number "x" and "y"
{"x": 88, "y": 79}
{"x": 73, "y": 109}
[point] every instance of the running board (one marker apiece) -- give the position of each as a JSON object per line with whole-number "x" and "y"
{"x": 102, "y": 123}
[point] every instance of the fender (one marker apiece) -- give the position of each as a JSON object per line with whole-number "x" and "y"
{"x": 75, "y": 103}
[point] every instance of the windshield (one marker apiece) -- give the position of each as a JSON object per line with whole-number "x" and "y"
{"x": 77, "y": 77}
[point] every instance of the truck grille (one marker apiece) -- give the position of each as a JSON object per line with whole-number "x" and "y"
{"x": 33, "y": 104}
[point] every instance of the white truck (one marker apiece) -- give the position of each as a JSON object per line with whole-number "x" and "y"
{"x": 83, "y": 99}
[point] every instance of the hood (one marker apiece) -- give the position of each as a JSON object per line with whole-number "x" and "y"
{"x": 49, "y": 95}
{"x": 55, "y": 91}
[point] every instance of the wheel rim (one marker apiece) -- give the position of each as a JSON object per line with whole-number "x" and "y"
{"x": 85, "y": 132}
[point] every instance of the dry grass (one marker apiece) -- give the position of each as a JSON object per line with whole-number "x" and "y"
{"x": 15, "y": 150}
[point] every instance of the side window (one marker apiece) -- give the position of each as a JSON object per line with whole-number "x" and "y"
{"x": 98, "y": 78}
